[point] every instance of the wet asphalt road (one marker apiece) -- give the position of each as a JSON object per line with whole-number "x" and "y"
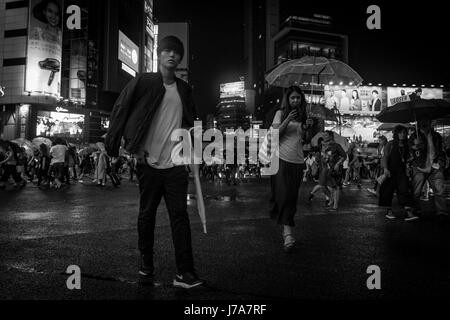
{"x": 241, "y": 257}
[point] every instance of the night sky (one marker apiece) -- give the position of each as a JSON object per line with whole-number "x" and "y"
{"x": 411, "y": 47}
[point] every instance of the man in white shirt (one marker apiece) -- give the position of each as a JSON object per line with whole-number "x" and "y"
{"x": 147, "y": 112}
{"x": 58, "y": 154}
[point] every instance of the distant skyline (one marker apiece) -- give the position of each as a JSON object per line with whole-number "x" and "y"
{"x": 410, "y": 48}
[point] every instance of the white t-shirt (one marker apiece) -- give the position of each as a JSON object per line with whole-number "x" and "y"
{"x": 290, "y": 146}
{"x": 168, "y": 117}
{"x": 58, "y": 154}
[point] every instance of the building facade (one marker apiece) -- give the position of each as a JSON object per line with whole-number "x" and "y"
{"x": 62, "y": 73}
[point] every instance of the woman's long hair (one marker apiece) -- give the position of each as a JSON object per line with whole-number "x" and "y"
{"x": 43, "y": 149}
{"x": 286, "y": 107}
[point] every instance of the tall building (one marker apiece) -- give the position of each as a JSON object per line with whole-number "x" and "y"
{"x": 261, "y": 23}
{"x": 64, "y": 63}
{"x": 270, "y": 41}
{"x": 232, "y": 110}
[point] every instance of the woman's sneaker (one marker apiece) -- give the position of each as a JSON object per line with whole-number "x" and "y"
{"x": 410, "y": 216}
{"x": 187, "y": 280}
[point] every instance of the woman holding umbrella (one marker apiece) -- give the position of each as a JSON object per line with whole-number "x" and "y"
{"x": 290, "y": 120}
{"x": 394, "y": 160}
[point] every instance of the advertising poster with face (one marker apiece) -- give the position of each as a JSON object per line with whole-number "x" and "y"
{"x": 423, "y": 93}
{"x": 354, "y": 100}
{"x": 43, "y": 70}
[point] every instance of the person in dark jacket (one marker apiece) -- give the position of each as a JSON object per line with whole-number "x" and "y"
{"x": 394, "y": 163}
{"x": 428, "y": 165}
{"x": 146, "y": 113}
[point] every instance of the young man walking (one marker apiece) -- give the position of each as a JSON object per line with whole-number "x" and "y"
{"x": 148, "y": 110}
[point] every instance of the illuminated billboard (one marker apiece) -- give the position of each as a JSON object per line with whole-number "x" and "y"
{"x": 232, "y": 89}
{"x": 59, "y": 124}
{"x": 78, "y": 66}
{"x": 362, "y": 100}
{"x": 128, "y": 52}
{"x": 44, "y": 47}
{"x": 394, "y": 94}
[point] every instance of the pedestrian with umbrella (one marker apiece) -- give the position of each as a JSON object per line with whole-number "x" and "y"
{"x": 395, "y": 179}
{"x": 290, "y": 120}
{"x": 146, "y": 113}
{"x": 428, "y": 165}
{"x": 426, "y": 146}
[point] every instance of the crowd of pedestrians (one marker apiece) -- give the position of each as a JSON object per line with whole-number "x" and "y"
{"x": 61, "y": 164}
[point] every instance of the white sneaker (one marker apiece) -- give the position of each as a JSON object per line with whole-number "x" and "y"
{"x": 411, "y": 218}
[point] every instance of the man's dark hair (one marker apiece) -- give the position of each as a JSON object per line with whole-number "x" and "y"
{"x": 375, "y": 91}
{"x": 171, "y": 43}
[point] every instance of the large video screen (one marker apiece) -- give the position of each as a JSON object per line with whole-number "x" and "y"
{"x": 59, "y": 124}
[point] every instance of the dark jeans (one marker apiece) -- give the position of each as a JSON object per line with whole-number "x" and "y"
{"x": 10, "y": 170}
{"x": 171, "y": 184}
{"x": 42, "y": 175}
{"x": 59, "y": 171}
{"x": 397, "y": 182}
{"x": 436, "y": 180}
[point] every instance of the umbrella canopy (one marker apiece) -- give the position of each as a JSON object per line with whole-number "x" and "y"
{"x": 319, "y": 70}
{"x": 411, "y": 111}
{"x": 41, "y": 140}
{"x": 391, "y": 126}
{"x": 339, "y": 139}
{"x": 27, "y": 145}
{"x": 345, "y": 131}
{"x": 87, "y": 151}
{"x": 24, "y": 143}
{"x": 321, "y": 112}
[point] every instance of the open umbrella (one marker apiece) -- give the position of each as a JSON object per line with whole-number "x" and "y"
{"x": 318, "y": 70}
{"x": 41, "y": 140}
{"x": 411, "y": 111}
{"x": 414, "y": 109}
{"x": 27, "y": 145}
{"x": 345, "y": 131}
{"x": 24, "y": 143}
{"x": 391, "y": 126}
{"x": 339, "y": 139}
{"x": 87, "y": 151}
{"x": 314, "y": 71}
